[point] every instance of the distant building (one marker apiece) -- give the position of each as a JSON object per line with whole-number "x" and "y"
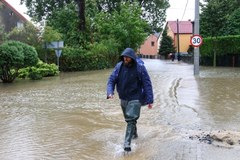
{"x": 149, "y": 48}
{"x": 185, "y": 33}
{"x": 10, "y": 17}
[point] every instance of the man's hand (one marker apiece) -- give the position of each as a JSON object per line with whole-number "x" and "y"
{"x": 150, "y": 106}
{"x": 110, "y": 96}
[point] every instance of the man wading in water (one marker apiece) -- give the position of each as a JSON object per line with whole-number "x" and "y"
{"x": 134, "y": 88}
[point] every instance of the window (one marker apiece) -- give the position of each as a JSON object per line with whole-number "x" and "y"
{"x": 152, "y": 43}
{"x": 19, "y": 25}
{"x": 11, "y": 13}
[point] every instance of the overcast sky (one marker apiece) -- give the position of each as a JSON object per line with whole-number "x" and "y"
{"x": 176, "y": 10}
{"x": 20, "y": 8}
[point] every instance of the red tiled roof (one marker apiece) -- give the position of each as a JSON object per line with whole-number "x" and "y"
{"x": 184, "y": 26}
{"x": 14, "y": 10}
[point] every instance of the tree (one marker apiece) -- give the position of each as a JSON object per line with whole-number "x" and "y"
{"x": 65, "y": 21}
{"x": 27, "y": 34}
{"x": 232, "y": 26}
{"x": 213, "y": 18}
{"x": 3, "y": 35}
{"x": 41, "y": 10}
{"x": 166, "y": 45}
{"x": 153, "y": 11}
{"x": 125, "y": 26}
{"x": 13, "y": 56}
{"x": 50, "y": 35}
{"x": 81, "y": 14}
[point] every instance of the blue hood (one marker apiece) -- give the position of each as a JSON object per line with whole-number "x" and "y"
{"x": 129, "y": 52}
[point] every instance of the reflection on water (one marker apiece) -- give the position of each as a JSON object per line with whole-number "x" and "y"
{"x": 68, "y": 117}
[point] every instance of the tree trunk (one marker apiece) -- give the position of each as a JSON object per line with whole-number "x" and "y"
{"x": 81, "y": 14}
{"x": 6, "y": 77}
{"x": 214, "y": 58}
{"x": 215, "y": 41}
{"x": 214, "y": 51}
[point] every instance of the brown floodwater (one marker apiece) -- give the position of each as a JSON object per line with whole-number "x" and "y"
{"x": 69, "y": 118}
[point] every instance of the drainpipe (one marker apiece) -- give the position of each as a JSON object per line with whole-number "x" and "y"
{"x": 178, "y": 55}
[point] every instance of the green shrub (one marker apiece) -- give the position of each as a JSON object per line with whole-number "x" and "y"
{"x": 98, "y": 56}
{"x": 23, "y": 73}
{"x": 39, "y": 71}
{"x": 34, "y": 73}
{"x": 13, "y": 56}
{"x": 224, "y": 45}
{"x": 47, "y": 70}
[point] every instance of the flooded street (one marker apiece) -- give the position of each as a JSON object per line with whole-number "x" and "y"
{"x": 69, "y": 118}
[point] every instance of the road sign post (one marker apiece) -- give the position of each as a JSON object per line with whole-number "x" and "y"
{"x": 57, "y": 45}
{"x": 58, "y": 54}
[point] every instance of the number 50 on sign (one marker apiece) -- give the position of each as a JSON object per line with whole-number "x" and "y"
{"x": 196, "y": 40}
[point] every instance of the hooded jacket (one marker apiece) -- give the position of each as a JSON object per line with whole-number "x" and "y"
{"x": 145, "y": 85}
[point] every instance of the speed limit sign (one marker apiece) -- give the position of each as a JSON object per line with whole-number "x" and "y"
{"x": 196, "y": 40}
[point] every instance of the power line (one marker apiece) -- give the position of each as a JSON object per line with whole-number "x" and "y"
{"x": 184, "y": 10}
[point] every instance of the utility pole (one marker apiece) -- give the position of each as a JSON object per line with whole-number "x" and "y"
{"x": 196, "y": 32}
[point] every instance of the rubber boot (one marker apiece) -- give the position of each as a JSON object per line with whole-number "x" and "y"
{"x": 135, "y": 135}
{"x": 128, "y": 136}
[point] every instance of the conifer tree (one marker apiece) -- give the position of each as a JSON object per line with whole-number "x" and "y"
{"x": 166, "y": 45}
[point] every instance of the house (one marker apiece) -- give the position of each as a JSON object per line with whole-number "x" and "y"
{"x": 185, "y": 30}
{"x": 10, "y": 17}
{"x": 149, "y": 49}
